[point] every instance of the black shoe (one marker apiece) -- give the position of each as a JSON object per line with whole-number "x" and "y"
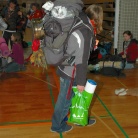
{"x": 90, "y": 122}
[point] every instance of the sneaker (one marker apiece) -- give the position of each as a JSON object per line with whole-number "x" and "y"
{"x": 117, "y": 91}
{"x": 90, "y": 122}
{"x": 123, "y": 93}
{"x": 67, "y": 129}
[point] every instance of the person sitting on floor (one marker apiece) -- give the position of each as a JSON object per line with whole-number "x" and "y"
{"x": 17, "y": 54}
{"x": 130, "y": 50}
{"x": 36, "y": 12}
{"x": 10, "y": 16}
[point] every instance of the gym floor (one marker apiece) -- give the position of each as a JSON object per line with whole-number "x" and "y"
{"x": 27, "y": 102}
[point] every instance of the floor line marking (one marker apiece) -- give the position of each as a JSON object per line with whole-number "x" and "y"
{"x": 102, "y": 116}
{"x": 105, "y": 125}
{"x": 52, "y": 98}
{"x": 25, "y": 125}
{"x": 39, "y": 79}
{"x": 51, "y": 92}
{"x": 120, "y": 82}
{"x": 119, "y": 126}
{"x": 25, "y": 122}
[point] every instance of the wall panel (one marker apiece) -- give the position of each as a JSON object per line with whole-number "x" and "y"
{"x": 128, "y": 19}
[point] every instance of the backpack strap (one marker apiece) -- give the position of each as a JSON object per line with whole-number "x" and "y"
{"x": 78, "y": 23}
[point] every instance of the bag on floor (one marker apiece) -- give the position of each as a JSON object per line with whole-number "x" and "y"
{"x": 93, "y": 58}
{"x": 105, "y": 48}
{"x": 78, "y": 109}
{"x": 112, "y": 65}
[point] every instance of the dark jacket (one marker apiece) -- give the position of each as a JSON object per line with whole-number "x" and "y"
{"x": 10, "y": 17}
{"x": 21, "y": 23}
{"x": 80, "y": 44}
{"x": 131, "y": 51}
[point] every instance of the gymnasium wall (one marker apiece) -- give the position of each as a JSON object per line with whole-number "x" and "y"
{"x": 128, "y": 19}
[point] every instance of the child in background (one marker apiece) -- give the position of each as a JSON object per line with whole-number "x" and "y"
{"x": 36, "y": 12}
{"x": 4, "y": 52}
{"x": 130, "y": 50}
{"x": 16, "y": 54}
{"x": 21, "y": 23}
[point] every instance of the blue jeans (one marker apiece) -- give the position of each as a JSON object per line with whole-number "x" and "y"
{"x": 13, "y": 67}
{"x": 129, "y": 65}
{"x": 62, "y": 106}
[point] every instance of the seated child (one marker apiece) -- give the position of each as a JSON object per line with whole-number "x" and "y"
{"x": 17, "y": 54}
{"x": 4, "y": 52}
{"x": 130, "y": 50}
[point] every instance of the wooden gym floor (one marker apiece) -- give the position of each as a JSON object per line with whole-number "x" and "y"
{"x": 27, "y": 102}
